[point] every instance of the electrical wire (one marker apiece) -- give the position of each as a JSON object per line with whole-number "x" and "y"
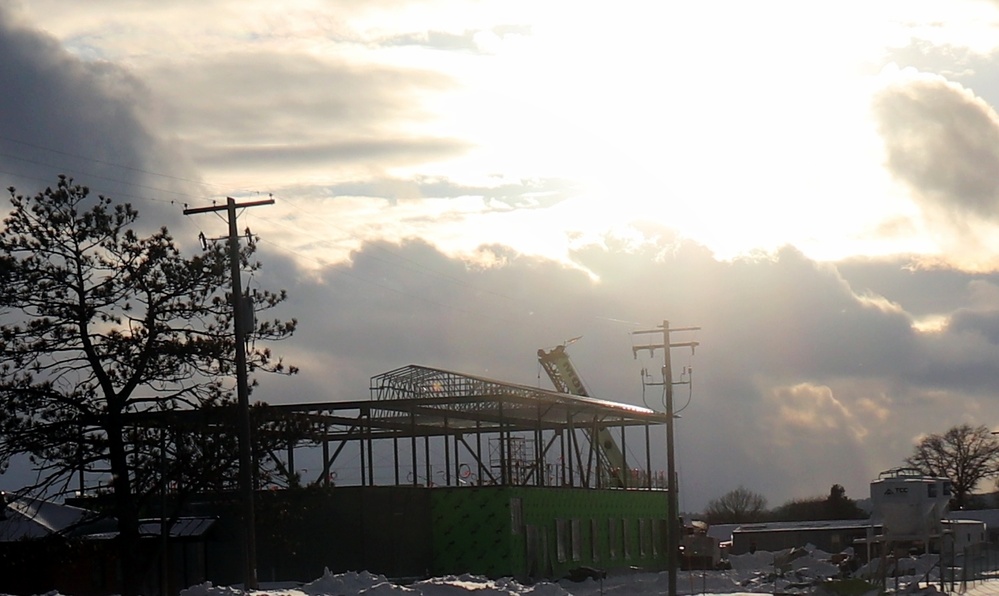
{"x": 690, "y": 394}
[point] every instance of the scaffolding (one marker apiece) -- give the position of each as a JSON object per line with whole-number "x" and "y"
{"x": 432, "y": 427}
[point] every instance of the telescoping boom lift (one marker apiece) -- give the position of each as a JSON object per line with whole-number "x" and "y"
{"x": 565, "y": 379}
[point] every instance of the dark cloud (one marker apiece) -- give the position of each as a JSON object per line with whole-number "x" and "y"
{"x": 231, "y": 91}
{"x": 799, "y": 382}
{"x": 984, "y": 324}
{"x": 398, "y": 151}
{"x": 241, "y": 109}
{"x": 919, "y": 291}
{"x": 90, "y": 121}
{"x": 943, "y": 142}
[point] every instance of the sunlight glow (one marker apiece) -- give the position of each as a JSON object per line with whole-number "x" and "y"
{"x": 750, "y": 146}
{"x": 744, "y": 127}
{"x": 931, "y": 324}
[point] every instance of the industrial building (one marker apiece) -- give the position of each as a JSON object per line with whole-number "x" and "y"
{"x": 477, "y": 475}
{"x": 831, "y": 536}
{"x": 437, "y": 473}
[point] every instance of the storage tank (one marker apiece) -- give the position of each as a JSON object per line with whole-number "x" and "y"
{"x": 909, "y": 504}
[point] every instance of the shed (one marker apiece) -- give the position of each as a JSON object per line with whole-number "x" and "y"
{"x": 832, "y": 536}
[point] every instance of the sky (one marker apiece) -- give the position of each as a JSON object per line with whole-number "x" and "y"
{"x": 457, "y": 184}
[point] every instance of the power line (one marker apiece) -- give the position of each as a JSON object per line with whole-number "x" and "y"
{"x": 63, "y": 167}
{"x": 100, "y": 161}
{"x": 99, "y": 177}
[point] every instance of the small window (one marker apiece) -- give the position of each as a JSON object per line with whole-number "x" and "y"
{"x": 594, "y": 540}
{"x": 577, "y": 540}
{"x": 663, "y": 526}
{"x": 626, "y": 537}
{"x": 644, "y": 537}
{"x": 613, "y": 536}
{"x": 931, "y": 490}
{"x": 516, "y": 515}
{"x": 561, "y": 539}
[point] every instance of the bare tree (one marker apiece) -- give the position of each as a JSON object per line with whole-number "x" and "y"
{"x": 964, "y": 454}
{"x": 102, "y": 327}
{"x": 736, "y": 506}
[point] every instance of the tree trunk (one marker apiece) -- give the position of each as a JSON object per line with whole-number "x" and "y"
{"x": 126, "y": 510}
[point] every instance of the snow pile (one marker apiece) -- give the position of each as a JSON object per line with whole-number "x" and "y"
{"x": 463, "y": 584}
{"x": 370, "y": 584}
{"x": 350, "y": 583}
{"x": 805, "y": 570}
{"x": 628, "y": 584}
{"x": 207, "y": 589}
{"x": 328, "y": 584}
{"x": 751, "y": 561}
{"x": 788, "y": 570}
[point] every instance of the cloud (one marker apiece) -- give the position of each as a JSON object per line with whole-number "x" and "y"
{"x": 282, "y": 112}
{"x": 942, "y": 141}
{"x": 89, "y": 120}
{"x": 286, "y": 157}
{"x": 441, "y": 40}
{"x": 808, "y": 413}
{"x": 476, "y": 41}
{"x": 980, "y": 318}
{"x": 801, "y": 379}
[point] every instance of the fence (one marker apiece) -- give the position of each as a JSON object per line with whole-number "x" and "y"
{"x": 969, "y": 567}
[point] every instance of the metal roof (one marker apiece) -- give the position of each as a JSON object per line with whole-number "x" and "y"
{"x": 27, "y": 517}
{"x": 513, "y": 425}
{"x": 422, "y": 401}
{"x": 798, "y": 526}
{"x": 183, "y": 527}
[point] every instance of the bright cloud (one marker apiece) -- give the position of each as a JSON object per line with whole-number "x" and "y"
{"x": 807, "y": 411}
{"x": 739, "y": 128}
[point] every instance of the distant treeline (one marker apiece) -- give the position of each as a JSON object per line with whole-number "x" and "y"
{"x": 744, "y": 506}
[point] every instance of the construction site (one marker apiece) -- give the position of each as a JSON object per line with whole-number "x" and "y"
{"x": 482, "y": 476}
{"x": 437, "y": 473}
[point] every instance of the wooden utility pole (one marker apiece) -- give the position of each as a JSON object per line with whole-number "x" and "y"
{"x": 672, "y": 513}
{"x": 242, "y": 389}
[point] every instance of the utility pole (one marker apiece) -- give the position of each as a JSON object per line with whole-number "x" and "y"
{"x": 672, "y": 514}
{"x": 242, "y": 389}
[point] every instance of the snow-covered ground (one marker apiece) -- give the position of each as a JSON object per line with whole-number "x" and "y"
{"x": 799, "y": 571}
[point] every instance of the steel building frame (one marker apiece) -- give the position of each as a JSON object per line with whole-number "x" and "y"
{"x": 492, "y": 433}
{"x": 415, "y": 404}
